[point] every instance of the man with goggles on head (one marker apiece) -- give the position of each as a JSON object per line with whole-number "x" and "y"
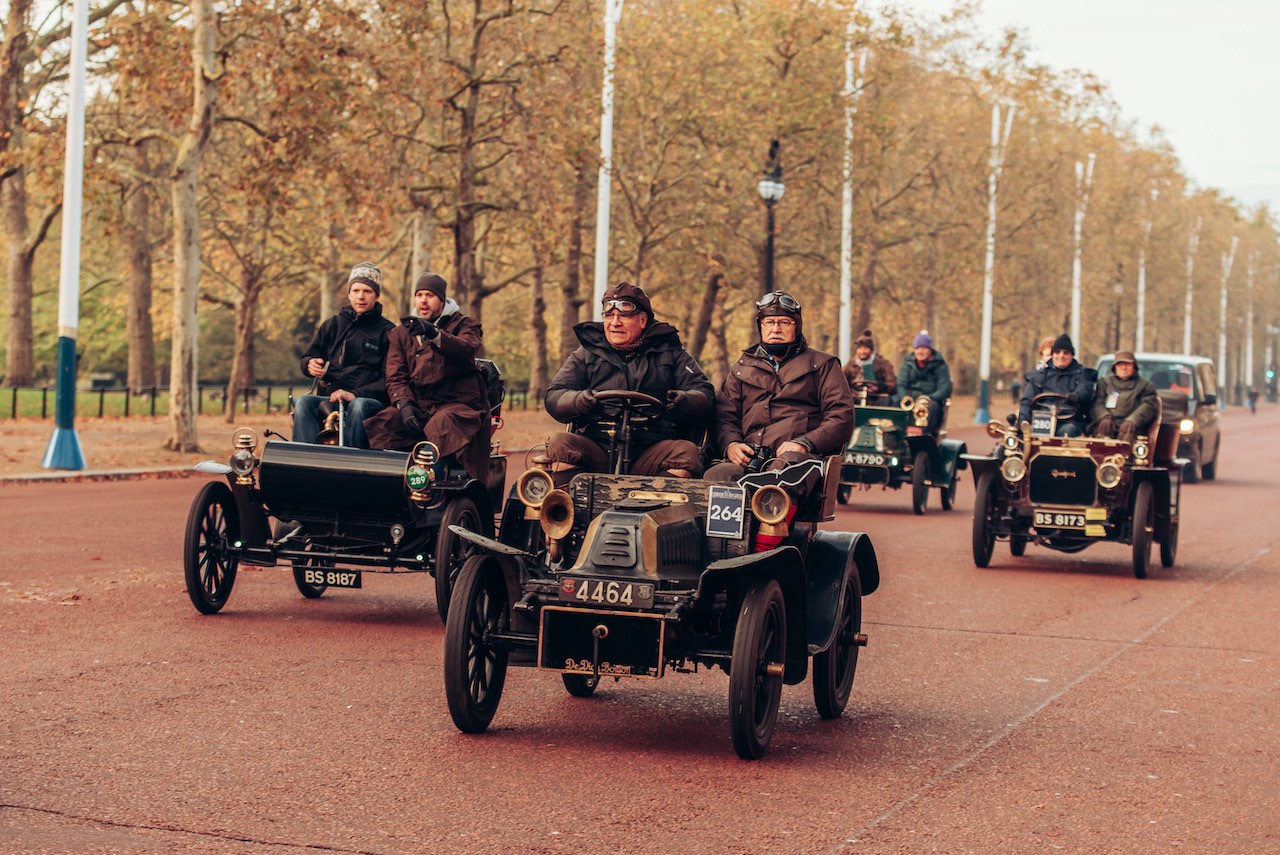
{"x": 781, "y": 395}
{"x": 633, "y": 352}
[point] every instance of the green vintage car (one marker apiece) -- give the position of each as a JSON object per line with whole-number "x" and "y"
{"x": 890, "y": 447}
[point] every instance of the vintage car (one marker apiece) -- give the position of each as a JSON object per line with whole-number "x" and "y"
{"x": 1188, "y": 393}
{"x": 890, "y": 448}
{"x": 340, "y": 512}
{"x": 613, "y": 576}
{"x": 1068, "y": 493}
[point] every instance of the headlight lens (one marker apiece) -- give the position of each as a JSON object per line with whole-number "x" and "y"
{"x": 1011, "y": 442}
{"x": 532, "y": 487}
{"x": 1141, "y": 450}
{"x": 771, "y": 504}
{"x": 1013, "y": 469}
{"x": 243, "y": 461}
{"x": 1108, "y": 475}
{"x": 1186, "y": 426}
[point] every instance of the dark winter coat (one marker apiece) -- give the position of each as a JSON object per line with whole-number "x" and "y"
{"x": 1136, "y": 401}
{"x": 355, "y": 346}
{"x": 805, "y": 399}
{"x": 441, "y": 377}
{"x": 932, "y": 379}
{"x": 659, "y": 365}
{"x": 882, "y": 370}
{"x": 1075, "y": 381}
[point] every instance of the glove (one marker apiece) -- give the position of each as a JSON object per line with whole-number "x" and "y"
{"x": 412, "y": 417}
{"x": 677, "y": 402}
{"x": 584, "y": 402}
{"x": 417, "y": 326}
{"x": 1128, "y": 431}
{"x": 1106, "y": 426}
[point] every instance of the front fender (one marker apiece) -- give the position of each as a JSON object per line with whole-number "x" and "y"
{"x": 980, "y": 464}
{"x": 952, "y": 452}
{"x": 784, "y": 564}
{"x": 834, "y": 556}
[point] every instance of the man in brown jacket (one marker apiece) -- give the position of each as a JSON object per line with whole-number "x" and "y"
{"x": 782, "y": 395}
{"x": 870, "y": 369}
{"x": 436, "y": 389}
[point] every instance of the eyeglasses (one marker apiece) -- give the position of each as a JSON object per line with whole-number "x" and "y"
{"x": 625, "y": 308}
{"x": 778, "y": 322}
{"x": 783, "y": 299}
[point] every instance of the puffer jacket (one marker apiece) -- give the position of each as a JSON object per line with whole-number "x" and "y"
{"x": 660, "y": 364}
{"x": 932, "y": 379}
{"x": 355, "y": 346}
{"x": 1135, "y": 400}
{"x": 1075, "y": 381}
{"x": 805, "y": 399}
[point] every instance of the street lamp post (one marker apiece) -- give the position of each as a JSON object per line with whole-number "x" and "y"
{"x": 771, "y": 189}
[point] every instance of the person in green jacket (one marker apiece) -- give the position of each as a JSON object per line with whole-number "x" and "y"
{"x": 925, "y": 372}
{"x": 1124, "y": 403}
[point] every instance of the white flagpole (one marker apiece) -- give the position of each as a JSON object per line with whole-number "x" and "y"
{"x": 1139, "y": 332}
{"x": 1084, "y": 180}
{"x": 612, "y": 13}
{"x": 1228, "y": 259}
{"x": 999, "y": 142}
{"x": 1193, "y": 241}
{"x": 854, "y": 67}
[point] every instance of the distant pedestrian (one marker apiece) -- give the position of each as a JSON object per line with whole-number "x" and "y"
{"x": 1253, "y": 400}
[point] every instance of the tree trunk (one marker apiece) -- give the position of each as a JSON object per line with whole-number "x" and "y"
{"x": 538, "y": 323}
{"x": 422, "y": 225}
{"x": 20, "y": 361}
{"x": 137, "y": 238}
{"x": 184, "y": 182}
{"x": 571, "y": 290}
{"x": 241, "y": 375}
{"x": 701, "y": 327}
{"x": 467, "y": 289}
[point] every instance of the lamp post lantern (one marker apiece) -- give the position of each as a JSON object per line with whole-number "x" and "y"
{"x": 771, "y": 189}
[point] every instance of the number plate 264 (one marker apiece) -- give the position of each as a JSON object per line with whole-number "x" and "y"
{"x": 607, "y": 592}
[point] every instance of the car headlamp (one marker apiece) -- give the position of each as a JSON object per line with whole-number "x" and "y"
{"x": 242, "y": 462}
{"x": 771, "y": 504}
{"x": 1011, "y": 442}
{"x": 1013, "y": 469}
{"x": 533, "y": 486}
{"x": 1141, "y": 450}
{"x": 1187, "y": 426}
{"x": 1109, "y": 474}
{"x": 419, "y": 471}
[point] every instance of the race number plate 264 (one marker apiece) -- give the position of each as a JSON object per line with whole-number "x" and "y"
{"x": 726, "y": 507}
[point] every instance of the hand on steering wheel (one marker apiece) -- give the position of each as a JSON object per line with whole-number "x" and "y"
{"x": 1065, "y": 407}
{"x": 638, "y": 403}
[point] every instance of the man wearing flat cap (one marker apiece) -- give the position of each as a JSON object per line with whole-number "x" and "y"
{"x": 346, "y": 362}
{"x": 437, "y": 392}
{"x": 1125, "y": 403}
{"x": 1064, "y": 376}
{"x": 630, "y": 351}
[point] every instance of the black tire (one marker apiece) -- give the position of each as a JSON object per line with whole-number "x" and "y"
{"x": 949, "y": 492}
{"x": 580, "y": 685}
{"x": 1143, "y": 525}
{"x": 919, "y": 483}
{"x": 474, "y": 670}
{"x": 760, "y": 640}
{"x": 452, "y": 551}
{"x": 1209, "y": 471}
{"x": 309, "y": 590}
{"x": 1169, "y": 547}
{"x": 1018, "y": 545}
{"x": 984, "y": 538}
{"x": 834, "y": 668}
{"x": 843, "y": 492}
{"x": 1191, "y": 472}
{"x": 208, "y": 566}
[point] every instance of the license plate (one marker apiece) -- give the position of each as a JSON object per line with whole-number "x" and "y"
{"x": 332, "y": 578}
{"x": 912, "y": 430}
{"x": 607, "y": 592}
{"x": 864, "y": 458}
{"x": 1041, "y": 424}
{"x": 1059, "y": 519}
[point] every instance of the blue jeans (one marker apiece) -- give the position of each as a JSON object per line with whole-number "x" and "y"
{"x": 307, "y": 419}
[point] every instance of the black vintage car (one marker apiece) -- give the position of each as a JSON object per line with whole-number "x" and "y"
{"x": 340, "y": 512}
{"x": 1188, "y": 389}
{"x": 890, "y": 447}
{"x": 613, "y": 576}
{"x": 1068, "y": 493}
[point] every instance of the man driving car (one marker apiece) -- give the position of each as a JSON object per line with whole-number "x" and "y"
{"x": 1064, "y": 377}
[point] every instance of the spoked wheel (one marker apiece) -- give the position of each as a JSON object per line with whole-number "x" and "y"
{"x": 949, "y": 492}
{"x": 919, "y": 483}
{"x": 1169, "y": 547}
{"x": 1018, "y": 545}
{"x": 580, "y": 685}
{"x": 452, "y": 551}
{"x": 843, "y": 492}
{"x": 984, "y": 536}
{"x": 310, "y": 590}
{"x": 208, "y": 565}
{"x": 1191, "y": 472}
{"x": 833, "y": 668}
{"x": 1143, "y": 524}
{"x": 755, "y": 678}
{"x": 475, "y": 670}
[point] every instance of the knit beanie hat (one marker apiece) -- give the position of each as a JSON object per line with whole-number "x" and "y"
{"x": 368, "y": 273}
{"x": 865, "y": 340}
{"x": 1063, "y": 342}
{"x": 923, "y": 340}
{"x": 432, "y": 282}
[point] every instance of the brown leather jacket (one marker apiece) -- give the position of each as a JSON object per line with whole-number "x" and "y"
{"x": 805, "y": 399}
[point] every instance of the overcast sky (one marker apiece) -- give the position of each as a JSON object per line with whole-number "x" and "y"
{"x": 1206, "y": 71}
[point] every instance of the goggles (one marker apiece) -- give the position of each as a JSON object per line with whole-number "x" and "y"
{"x": 783, "y": 299}
{"x": 625, "y": 308}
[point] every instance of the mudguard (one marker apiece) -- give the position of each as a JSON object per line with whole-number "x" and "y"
{"x": 1166, "y": 512}
{"x": 981, "y": 463}
{"x": 833, "y": 557}
{"x": 950, "y": 452}
{"x": 784, "y": 564}
{"x": 255, "y": 528}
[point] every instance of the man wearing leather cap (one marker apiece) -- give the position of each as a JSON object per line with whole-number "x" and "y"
{"x": 782, "y": 395}
{"x": 1125, "y": 403}
{"x": 1064, "y": 376}
{"x": 630, "y": 351}
{"x": 436, "y": 389}
{"x": 346, "y": 361}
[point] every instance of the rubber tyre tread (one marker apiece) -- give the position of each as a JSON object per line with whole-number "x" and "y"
{"x": 760, "y": 637}
{"x": 210, "y": 577}
{"x": 919, "y": 487}
{"x": 579, "y": 685}
{"x": 451, "y": 550}
{"x": 835, "y": 667}
{"x": 474, "y": 675}
{"x": 1169, "y": 547}
{"x": 1143, "y": 526}
{"x": 984, "y": 541}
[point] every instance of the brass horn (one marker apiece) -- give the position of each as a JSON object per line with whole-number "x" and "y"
{"x": 331, "y": 432}
{"x": 556, "y": 514}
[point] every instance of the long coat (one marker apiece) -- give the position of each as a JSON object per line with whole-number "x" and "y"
{"x": 1135, "y": 401}
{"x": 441, "y": 377}
{"x": 659, "y": 365}
{"x": 805, "y": 399}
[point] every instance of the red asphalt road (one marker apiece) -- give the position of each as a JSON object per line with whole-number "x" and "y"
{"x": 1048, "y": 703}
